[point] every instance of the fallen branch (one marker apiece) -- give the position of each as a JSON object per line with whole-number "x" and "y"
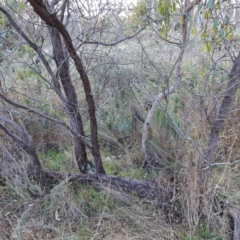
{"x": 223, "y": 164}
{"x": 143, "y": 188}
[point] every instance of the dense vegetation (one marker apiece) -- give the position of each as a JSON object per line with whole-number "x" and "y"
{"x": 119, "y": 121}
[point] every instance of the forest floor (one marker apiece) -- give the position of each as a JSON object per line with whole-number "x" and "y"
{"x": 79, "y": 211}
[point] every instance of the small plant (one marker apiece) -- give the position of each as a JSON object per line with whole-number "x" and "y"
{"x": 206, "y": 233}
{"x": 112, "y": 168}
{"x": 54, "y": 159}
{"x": 138, "y": 173}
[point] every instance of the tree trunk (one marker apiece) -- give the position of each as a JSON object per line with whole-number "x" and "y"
{"x": 224, "y": 109}
{"x": 72, "y": 103}
{"x": 52, "y": 20}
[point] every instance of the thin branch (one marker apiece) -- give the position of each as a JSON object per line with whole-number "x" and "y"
{"x": 16, "y": 164}
{"x": 183, "y": 135}
{"x": 223, "y": 164}
{"x": 113, "y": 43}
{"x": 84, "y": 139}
{"x": 37, "y": 50}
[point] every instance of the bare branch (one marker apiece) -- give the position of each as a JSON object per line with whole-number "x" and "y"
{"x": 37, "y": 50}
{"x": 84, "y": 139}
{"x": 179, "y": 131}
{"x": 113, "y": 43}
{"x": 222, "y": 164}
{"x": 16, "y": 164}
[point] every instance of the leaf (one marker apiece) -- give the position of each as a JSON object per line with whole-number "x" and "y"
{"x": 21, "y": 75}
{"x": 224, "y": 77}
{"x": 21, "y": 6}
{"x": 215, "y": 23}
{"x": 230, "y": 36}
{"x": 204, "y": 35}
{"x": 174, "y": 6}
{"x": 14, "y": 5}
{"x": 28, "y": 48}
{"x": 20, "y": 55}
{"x": 209, "y": 47}
{"x": 164, "y": 31}
{"x": 227, "y": 19}
{"x": 32, "y": 55}
{"x": 194, "y": 31}
{"x": 221, "y": 34}
{"x": 31, "y": 73}
{"x": 200, "y": 7}
{"x": 211, "y": 4}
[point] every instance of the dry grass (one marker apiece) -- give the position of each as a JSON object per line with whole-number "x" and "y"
{"x": 79, "y": 212}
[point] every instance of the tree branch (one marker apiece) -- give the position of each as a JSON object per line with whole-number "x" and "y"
{"x": 222, "y": 164}
{"x": 83, "y": 138}
{"x": 113, "y": 43}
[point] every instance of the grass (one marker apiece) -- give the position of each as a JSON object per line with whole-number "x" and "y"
{"x": 76, "y": 211}
{"x": 79, "y": 212}
{"x": 55, "y": 160}
{"x": 124, "y": 170}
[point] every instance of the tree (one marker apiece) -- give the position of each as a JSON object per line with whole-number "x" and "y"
{"x": 179, "y": 60}
{"x": 57, "y": 16}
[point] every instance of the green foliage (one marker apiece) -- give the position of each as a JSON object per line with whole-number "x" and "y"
{"x": 218, "y": 29}
{"x": 95, "y": 201}
{"x": 54, "y": 159}
{"x": 118, "y": 118}
{"x": 137, "y": 173}
{"x": 2, "y": 20}
{"x": 166, "y": 7}
{"x": 211, "y": 4}
{"x": 206, "y": 233}
{"x": 139, "y": 12}
{"x": 91, "y": 167}
{"x": 112, "y": 168}
{"x": 17, "y": 5}
{"x": 162, "y": 121}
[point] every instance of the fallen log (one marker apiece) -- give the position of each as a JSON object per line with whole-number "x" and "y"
{"x": 143, "y": 188}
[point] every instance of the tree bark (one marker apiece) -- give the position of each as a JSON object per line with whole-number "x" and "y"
{"x": 52, "y": 20}
{"x": 72, "y": 103}
{"x": 224, "y": 109}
